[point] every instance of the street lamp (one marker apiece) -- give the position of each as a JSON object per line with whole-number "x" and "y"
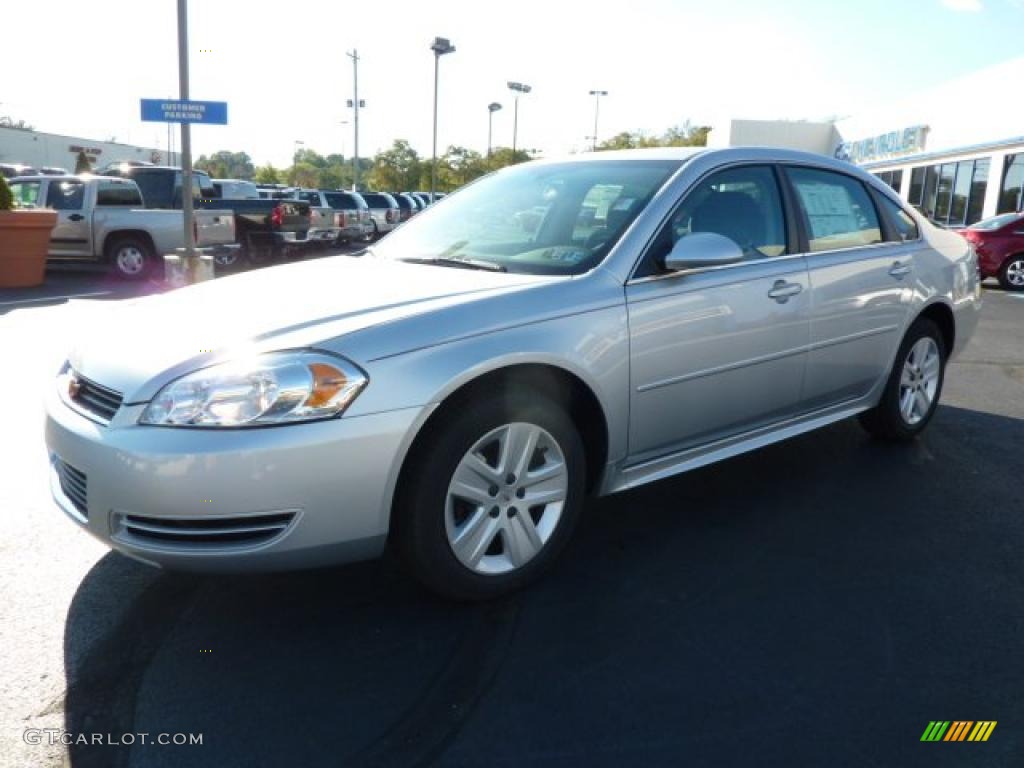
{"x": 597, "y": 106}
{"x": 517, "y": 89}
{"x": 295, "y": 154}
{"x": 440, "y": 47}
{"x": 491, "y": 109}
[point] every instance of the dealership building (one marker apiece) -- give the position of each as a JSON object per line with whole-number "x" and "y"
{"x": 955, "y": 151}
{"x": 18, "y": 147}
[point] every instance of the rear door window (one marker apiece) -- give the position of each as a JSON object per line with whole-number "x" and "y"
{"x": 113, "y": 194}
{"x": 837, "y": 209}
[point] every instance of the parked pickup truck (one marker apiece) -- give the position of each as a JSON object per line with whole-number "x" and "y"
{"x": 266, "y": 229}
{"x": 325, "y": 226}
{"x": 103, "y": 219}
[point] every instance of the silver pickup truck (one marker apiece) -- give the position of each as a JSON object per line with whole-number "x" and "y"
{"x": 102, "y": 219}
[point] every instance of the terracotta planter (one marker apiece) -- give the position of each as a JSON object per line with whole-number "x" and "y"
{"x": 24, "y": 244}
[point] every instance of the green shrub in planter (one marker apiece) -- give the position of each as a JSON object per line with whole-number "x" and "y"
{"x": 6, "y": 196}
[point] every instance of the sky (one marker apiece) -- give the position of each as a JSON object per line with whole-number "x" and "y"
{"x": 80, "y": 68}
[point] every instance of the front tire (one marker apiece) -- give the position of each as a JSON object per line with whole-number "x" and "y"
{"x": 491, "y": 496}
{"x": 1011, "y": 274}
{"x": 914, "y": 386}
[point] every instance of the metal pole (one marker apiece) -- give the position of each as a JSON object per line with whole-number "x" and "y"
{"x": 186, "y": 133}
{"x": 355, "y": 119}
{"x": 515, "y": 127}
{"x": 597, "y": 106}
{"x": 433, "y": 156}
{"x": 490, "y": 126}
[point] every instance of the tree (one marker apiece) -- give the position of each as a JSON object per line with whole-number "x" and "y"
{"x": 395, "y": 169}
{"x": 685, "y": 135}
{"x": 459, "y": 166}
{"x": 227, "y": 165}
{"x": 303, "y": 175}
{"x": 502, "y": 156}
{"x": 309, "y": 157}
{"x": 267, "y": 174}
{"x": 82, "y": 164}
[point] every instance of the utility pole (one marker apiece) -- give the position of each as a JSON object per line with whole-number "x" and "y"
{"x": 491, "y": 109}
{"x": 354, "y": 103}
{"x": 186, "y": 132}
{"x": 440, "y": 47}
{"x": 597, "y": 106}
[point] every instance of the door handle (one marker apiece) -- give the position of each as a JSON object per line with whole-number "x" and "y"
{"x": 75, "y": 217}
{"x": 782, "y": 290}
{"x": 898, "y": 270}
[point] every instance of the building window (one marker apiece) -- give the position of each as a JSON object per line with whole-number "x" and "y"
{"x": 1010, "y": 189}
{"x": 979, "y": 183}
{"x": 952, "y": 194}
{"x": 893, "y": 178}
{"x": 916, "y": 195}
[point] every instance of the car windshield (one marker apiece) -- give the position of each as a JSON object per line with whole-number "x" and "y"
{"x": 545, "y": 219}
{"x": 996, "y": 221}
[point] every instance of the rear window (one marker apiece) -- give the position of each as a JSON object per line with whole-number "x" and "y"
{"x": 997, "y": 222}
{"x": 113, "y": 194}
{"x": 404, "y": 202}
{"x": 344, "y": 200}
{"x": 375, "y": 200}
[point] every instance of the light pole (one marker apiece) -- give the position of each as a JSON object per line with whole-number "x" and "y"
{"x": 187, "y": 214}
{"x": 491, "y": 109}
{"x": 518, "y": 89}
{"x": 597, "y": 106}
{"x": 440, "y": 47}
{"x": 295, "y": 152}
{"x": 355, "y": 103}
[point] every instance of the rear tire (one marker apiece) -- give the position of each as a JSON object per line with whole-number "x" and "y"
{"x": 914, "y": 386}
{"x": 1011, "y": 274}
{"x": 463, "y": 521}
{"x": 131, "y": 257}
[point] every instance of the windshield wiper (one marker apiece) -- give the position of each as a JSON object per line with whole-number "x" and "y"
{"x": 462, "y": 262}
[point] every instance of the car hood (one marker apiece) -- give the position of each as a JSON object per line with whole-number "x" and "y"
{"x": 137, "y": 346}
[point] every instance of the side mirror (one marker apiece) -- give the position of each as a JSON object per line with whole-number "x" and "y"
{"x": 702, "y": 249}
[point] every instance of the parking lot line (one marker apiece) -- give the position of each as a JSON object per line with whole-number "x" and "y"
{"x": 54, "y": 298}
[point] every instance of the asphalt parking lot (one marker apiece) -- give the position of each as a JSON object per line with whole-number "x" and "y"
{"x": 815, "y": 603}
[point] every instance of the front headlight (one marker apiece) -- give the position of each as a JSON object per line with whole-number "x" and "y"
{"x": 276, "y": 388}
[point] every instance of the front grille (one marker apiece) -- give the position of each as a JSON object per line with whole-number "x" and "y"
{"x": 94, "y": 398}
{"x": 204, "y": 532}
{"x": 73, "y": 483}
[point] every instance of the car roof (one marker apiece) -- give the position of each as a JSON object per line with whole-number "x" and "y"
{"x": 77, "y": 177}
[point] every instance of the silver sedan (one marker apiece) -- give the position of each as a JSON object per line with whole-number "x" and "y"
{"x": 555, "y": 330}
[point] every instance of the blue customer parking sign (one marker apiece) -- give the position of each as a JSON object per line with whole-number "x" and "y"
{"x": 177, "y": 111}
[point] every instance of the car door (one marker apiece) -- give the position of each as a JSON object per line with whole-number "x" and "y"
{"x": 861, "y": 285}
{"x": 72, "y": 236}
{"x": 718, "y": 351}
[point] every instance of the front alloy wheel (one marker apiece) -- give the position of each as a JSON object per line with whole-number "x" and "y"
{"x": 506, "y": 498}
{"x": 490, "y": 494}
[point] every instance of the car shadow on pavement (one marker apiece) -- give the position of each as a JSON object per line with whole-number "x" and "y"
{"x": 749, "y": 612}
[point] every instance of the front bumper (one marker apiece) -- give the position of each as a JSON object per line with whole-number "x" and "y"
{"x": 272, "y": 498}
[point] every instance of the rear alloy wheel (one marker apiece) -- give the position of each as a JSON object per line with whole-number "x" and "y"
{"x": 1011, "y": 276}
{"x": 227, "y": 259}
{"x": 914, "y": 385}
{"x": 492, "y": 497}
{"x": 131, "y": 257}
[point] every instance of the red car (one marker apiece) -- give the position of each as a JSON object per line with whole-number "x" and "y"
{"x": 999, "y": 243}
